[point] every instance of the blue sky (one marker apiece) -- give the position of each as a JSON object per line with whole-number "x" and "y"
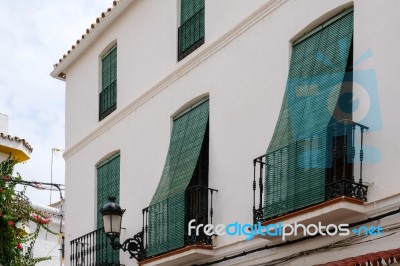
{"x": 34, "y": 35}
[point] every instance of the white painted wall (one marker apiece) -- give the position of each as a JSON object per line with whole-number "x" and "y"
{"x": 381, "y": 38}
{"x": 245, "y": 79}
{"x": 146, "y": 34}
{"x": 48, "y": 244}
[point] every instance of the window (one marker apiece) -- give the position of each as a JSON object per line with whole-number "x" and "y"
{"x": 108, "y": 94}
{"x": 108, "y": 179}
{"x": 300, "y": 154}
{"x": 182, "y": 192}
{"x": 191, "y": 31}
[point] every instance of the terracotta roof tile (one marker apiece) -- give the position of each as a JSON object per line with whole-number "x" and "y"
{"x": 88, "y": 31}
{"x": 23, "y": 141}
{"x": 376, "y": 258}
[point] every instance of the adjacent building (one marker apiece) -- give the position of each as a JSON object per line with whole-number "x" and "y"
{"x": 13, "y": 146}
{"x": 46, "y": 244}
{"x": 50, "y": 244}
{"x": 266, "y": 115}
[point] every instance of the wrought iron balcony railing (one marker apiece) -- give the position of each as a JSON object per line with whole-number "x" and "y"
{"x": 198, "y": 206}
{"x": 191, "y": 34}
{"x": 93, "y": 249}
{"x": 108, "y": 100}
{"x": 339, "y": 142}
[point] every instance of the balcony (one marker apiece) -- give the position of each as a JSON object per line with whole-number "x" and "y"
{"x": 318, "y": 175}
{"x": 93, "y": 249}
{"x": 108, "y": 100}
{"x": 198, "y": 207}
{"x": 191, "y": 35}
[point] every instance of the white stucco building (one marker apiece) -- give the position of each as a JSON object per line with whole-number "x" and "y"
{"x": 256, "y": 112}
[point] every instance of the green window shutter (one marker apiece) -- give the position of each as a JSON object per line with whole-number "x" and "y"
{"x": 191, "y": 32}
{"x": 108, "y": 183}
{"x": 108, "y": 95}
{"x": 167, "y": 207}
{"x": 296, "y": 155}
{"x": 189, "y": 8}
{"x": 109, "y": 68}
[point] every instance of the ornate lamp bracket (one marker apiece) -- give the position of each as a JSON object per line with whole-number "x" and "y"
{"x": 133, "y": 245}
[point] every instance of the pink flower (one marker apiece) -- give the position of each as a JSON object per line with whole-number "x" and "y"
{"x": 19, "y": 246}
{"x": 11, "y": 223}
{"x": 41, "y": 220}
{"x": 6, "y": 178}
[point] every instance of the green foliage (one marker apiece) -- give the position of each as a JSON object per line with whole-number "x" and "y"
{"x": 15, "y": 209}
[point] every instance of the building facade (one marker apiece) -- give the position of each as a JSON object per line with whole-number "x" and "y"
{"x": 256, "y": 115}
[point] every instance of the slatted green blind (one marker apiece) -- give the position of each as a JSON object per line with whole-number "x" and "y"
{"x": 189, "y": 8}
{"x": 109, "y": 68}
{"x": 296, "y": 156}
{"x": 108, "y": 180}
{"x": 167, "y": 207}
{"x": 108, "y": 95}
{"x": 191, "y": 32}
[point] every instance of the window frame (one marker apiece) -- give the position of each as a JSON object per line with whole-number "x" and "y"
{"x": 108, "y": 92}
{"x": 191, "y": 31}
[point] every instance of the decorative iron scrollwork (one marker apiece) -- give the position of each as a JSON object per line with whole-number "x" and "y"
{"x": 133, "y": 245}
{"x": 258, "y": 215}
{"x": 201, "y": 239}
{"x": 346, "y": 188}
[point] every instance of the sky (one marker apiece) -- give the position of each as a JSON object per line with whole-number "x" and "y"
{"x": 34, "y": 35}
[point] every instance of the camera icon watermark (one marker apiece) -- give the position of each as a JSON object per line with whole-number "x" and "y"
{"x": 320, "y": 106}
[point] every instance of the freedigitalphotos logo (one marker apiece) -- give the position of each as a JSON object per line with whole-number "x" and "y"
{"x": 281, "y": 230}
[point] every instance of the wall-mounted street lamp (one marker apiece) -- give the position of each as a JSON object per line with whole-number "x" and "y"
{"x": 112, "y": 218}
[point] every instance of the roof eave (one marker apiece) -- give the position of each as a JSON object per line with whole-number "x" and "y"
{"x": 17, "y": 148}
{"x": 59, "y": 69}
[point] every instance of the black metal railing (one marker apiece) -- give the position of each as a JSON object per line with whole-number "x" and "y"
{"x": 340, "y": 180}
{"x": 108, "y": 100}
{"x": 191, "y": 34}
{"x": 96, "y": 249}
{"x": 347, "y": 188}
{"x": 339, "y": 169}
{"x": 93, "y": 249}
{"x": 198, "y": 206}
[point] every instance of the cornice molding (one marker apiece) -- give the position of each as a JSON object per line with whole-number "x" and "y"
{"x": 186, "y": 65}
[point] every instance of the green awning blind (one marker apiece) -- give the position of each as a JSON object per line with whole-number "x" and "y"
{"x": 108, "y": 180}
{"x": 167, "y": 207}
{"x": 296, "y": 155}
